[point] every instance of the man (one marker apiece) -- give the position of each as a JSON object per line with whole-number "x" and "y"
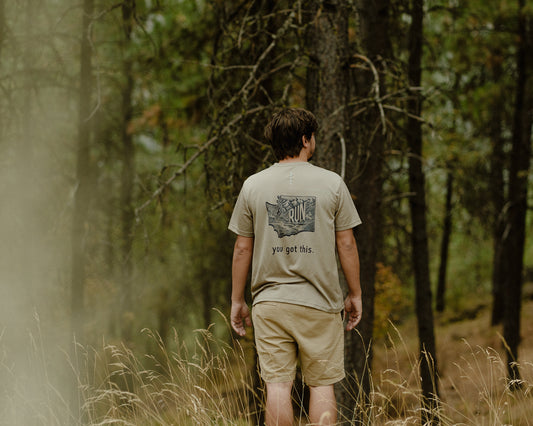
{"x": 289, "y": 219}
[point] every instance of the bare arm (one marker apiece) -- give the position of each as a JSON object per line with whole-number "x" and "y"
{"x": 349, "y": 258}
{"x": 242, "y": 257}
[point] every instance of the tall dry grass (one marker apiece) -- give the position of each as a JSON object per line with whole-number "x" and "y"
{"x": 473, "y": 389}
{"x": 212, "y": 384}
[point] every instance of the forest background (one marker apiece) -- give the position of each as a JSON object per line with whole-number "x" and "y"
{"x": 127, "y": 128}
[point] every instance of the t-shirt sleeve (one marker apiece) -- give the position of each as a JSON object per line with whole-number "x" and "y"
{"x": 241, "y": 222}
{"x": 346, "y": 216}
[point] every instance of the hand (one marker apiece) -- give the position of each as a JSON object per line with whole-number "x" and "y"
{"x": 240, "y": 312}
{"x": 353, "y": 306}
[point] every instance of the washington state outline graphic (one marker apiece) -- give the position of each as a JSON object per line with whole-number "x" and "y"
{"x": 292, "y": 214}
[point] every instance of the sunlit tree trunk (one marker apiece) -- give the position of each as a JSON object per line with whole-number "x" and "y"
{"x": 516, "y": 209}
{"x": 424, "y": 310}
{"x": 128, "y": 174}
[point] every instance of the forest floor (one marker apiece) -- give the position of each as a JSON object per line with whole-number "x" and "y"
{"x": 472, "y": 369}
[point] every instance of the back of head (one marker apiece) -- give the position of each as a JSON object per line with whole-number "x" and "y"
{"x": 286, "y": 129}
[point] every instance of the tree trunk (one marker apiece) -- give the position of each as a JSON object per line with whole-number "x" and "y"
{"x": 327, "y": 78}
{"x": 3, "y": 26}
{"x": 445, "y": 244}
{"x": 365, "y": 180}
{"x": 497, "y": 188}
{"x": 82, "y": 194}
{"x": 515, "y": 222}
{"x": 83, "y": 176}
{"x": 26, "y": 157}
{"x": 128, "y": 176}
{"x": 328, "y": 93}
{"x": 3, "y": 38}
{"x": 424, "y": 311}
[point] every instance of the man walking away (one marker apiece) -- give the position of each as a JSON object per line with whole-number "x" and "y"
{"x": 290, "y": 221}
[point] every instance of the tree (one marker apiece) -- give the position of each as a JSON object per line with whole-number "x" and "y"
{"x": 366, "y": 143}
{"x": 445, "y": 244}
{"x": 3, "y": 25}
{"x": 497, "y": 192}
{"x": 83, "y": 189}
{"x": 83, "y": 174}
{"x": 327, "y": 79}
{"x": 516, "y": 208}
{"x": 128, "y": 170}
{"x": 417, "y": 202}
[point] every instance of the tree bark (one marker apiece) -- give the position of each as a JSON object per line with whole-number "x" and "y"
{"x": 366, "y": 145}
{"x": 424, "y": 311}
{"x": 3, "y": 38}
{"x": 128, "y": 175}
{"x": 327, "y": 95}
{"x": 497, "y": 189}
{"x": 327, "y": 78}
{"x": 3, "y": 26}
{"x": 83, "y": 175}
{"x": 343, "y": 145}
{"x": 515, "y": 222}
{"x": 82, "y": 194}
{"x": 445, "y": 245}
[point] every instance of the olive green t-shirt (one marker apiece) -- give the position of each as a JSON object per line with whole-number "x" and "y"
{"x": 293, "y": 210}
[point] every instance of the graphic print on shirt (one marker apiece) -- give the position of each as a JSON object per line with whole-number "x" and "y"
{"x": 292, "y": 214}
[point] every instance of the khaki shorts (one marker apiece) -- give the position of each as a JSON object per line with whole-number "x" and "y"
{"x": 286, "y": 332}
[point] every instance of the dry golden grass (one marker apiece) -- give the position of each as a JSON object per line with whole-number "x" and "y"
{"x": 472, "y": 366}
{"x": 209, "y": 386}
{"x": 212, "y": 383}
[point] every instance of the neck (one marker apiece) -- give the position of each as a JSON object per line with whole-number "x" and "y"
{"x": 302, "y": 158}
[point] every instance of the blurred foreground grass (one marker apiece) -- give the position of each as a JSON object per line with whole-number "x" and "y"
{"x": 213, "y": 382}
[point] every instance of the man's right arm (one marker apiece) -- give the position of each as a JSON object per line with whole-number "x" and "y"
{"x": 349, "y": 259}
{"x": 242, "y": 257}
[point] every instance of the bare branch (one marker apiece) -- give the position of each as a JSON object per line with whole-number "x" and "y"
{"x": 375, "y": 86}
{"x": 407, "y": 113}
{"x": 201, "y": 149}
{"x": 245, "y": 87}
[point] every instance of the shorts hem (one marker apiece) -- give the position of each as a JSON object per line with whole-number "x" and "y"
{"x": 284, "y": 379}
{"x": 325, "y": 382}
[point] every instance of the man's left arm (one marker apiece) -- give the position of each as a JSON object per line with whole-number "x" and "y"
{"x": 242, "y": 258}
{"x": 349, "y": 259}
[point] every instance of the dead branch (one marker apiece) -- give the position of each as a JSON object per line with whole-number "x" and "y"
{"x": 245, "y": 89}
{"x": 375, "y": 87}
{"x": 200, "y": 150}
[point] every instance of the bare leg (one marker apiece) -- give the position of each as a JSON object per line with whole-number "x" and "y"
{"x": 278, "y": 410}
{"x": 322, "y": 405}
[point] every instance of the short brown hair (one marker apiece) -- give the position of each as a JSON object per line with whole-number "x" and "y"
{"x": 285, "y": 131}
